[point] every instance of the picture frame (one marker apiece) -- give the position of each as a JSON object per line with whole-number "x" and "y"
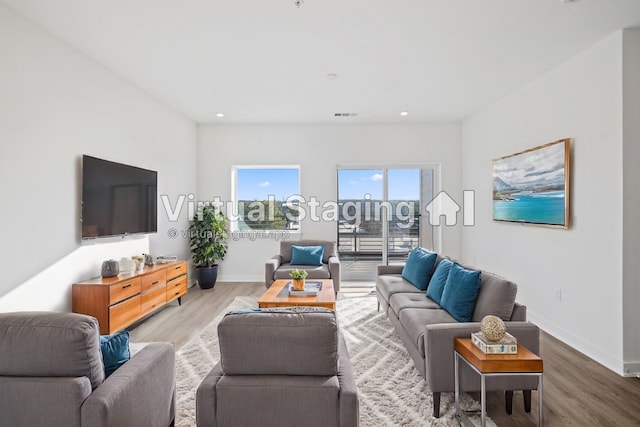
{"x": 533, "y": 186}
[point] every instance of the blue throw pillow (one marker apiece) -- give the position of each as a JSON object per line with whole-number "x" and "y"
{"x": 306, "y": 255}
{"x": 461, "y": 292}
{"x": 438, "y": 280}
{"x": 419, "y": 268}
{"x": 115, "y": 350}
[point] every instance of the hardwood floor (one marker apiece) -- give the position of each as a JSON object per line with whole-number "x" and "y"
{"x": 577, "y": 390}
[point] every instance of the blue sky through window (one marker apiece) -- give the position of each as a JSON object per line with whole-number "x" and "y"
{"x": 404, "y": 184}
{"x": 260, "y": 183}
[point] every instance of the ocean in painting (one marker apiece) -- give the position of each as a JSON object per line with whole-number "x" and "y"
{"x": 540, "y": 208}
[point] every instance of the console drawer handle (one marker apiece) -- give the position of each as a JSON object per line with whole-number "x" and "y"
{"x": 153, "y": 283}
{"x": 127, "y": 286}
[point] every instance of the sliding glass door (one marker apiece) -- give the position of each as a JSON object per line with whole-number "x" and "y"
{"x": 381, "y": 217}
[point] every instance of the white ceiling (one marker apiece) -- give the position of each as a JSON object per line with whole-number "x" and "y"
{"x": 264, "y": 61}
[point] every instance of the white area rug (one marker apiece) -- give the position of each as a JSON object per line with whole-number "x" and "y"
{"x": 391, "y": 390}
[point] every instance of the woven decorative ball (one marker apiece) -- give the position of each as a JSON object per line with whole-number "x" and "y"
{"x": 493, "y": 328}
{"x": 110, "y": 268}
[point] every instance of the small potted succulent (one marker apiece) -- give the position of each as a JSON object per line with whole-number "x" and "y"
{"x": 298, "y": 277}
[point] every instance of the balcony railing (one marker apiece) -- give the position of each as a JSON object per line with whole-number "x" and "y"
{"x": 358, "y": 242}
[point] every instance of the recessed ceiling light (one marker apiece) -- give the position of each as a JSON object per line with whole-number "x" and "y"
{"x": 404, "y": 113}
{"x": 219, "y": 114}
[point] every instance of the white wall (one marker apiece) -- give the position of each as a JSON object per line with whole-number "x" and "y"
{"x": 631, "y": 200}
{"x": 318, "y": 149}
{"x": 55, "y": 105}
{"x": 582, "y": 100}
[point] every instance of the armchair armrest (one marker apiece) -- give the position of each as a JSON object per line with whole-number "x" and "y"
{"x": 390, "y": 269}
{"x": 42, "y": 401}
{"x": 334, "y": 271}
{"x": 206, "y": 398}
{"x": 349, "y": 406}
{"x": 439, "y": 345}
{"x": 270, "y": 268}
{"x": 141, "y": 392}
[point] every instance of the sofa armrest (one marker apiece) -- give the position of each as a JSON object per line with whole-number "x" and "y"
{"x": 270, "y": 268}
{"x": 349, "y": 409}
{"x": 206, "y": 398}
{"x": 141, "y": 392}
{"x": 439, "y": 345}
{"x": 390, "y": 269}
{"x": 334, "y": 271}
{"x": 519, "y": 313}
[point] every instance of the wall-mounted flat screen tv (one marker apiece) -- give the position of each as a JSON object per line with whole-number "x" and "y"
{"x": 533, "y": 186}
{"x": 117, "y": 199}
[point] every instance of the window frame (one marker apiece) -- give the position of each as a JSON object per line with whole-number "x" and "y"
{"x": 235, "y": 200}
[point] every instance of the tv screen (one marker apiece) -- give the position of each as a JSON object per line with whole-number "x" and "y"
{"x": 117, "y": 199}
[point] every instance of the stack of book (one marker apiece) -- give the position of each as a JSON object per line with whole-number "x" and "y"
{"x": 311, "y": 289}
{"x": 507, "y": 345}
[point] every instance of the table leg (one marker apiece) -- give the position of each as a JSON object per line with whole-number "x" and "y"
{"x": 456, "y": 357}
{"x": 483, "y": 401}
{"x": 540, "y": 401}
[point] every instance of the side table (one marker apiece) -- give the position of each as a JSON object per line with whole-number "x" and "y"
{"x": 524, "y": 362}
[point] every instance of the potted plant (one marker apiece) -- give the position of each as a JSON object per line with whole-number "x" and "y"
{"x": 298, "y": 277}
{"x": 207, "y": 240}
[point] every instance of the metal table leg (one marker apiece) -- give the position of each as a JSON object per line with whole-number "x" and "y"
{"x": 457, "y": 383}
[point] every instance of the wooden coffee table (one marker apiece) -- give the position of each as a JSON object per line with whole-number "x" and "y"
{"x": 273, "y": 296}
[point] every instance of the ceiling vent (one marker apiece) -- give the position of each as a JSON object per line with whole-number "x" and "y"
{"x": 345, "y": 114}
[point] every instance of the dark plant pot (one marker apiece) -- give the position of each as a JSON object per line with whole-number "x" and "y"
{"x": 207, "y": 276}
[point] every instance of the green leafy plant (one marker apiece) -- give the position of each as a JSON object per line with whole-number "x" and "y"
{"x": 208, "y": 236}
{"x": 298, "y": 274}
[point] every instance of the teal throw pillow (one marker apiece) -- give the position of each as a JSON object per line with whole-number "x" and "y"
{"x": 419, "y": 268}
{"x": 461, "y": 292}
{"x": 306, "y": 255}
{"x": 438, "y": 280}
{"x": 115, "y": 351}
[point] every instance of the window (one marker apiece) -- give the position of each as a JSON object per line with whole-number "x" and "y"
{"x": 265, "y": 197}
{"x": 380, "y": 216}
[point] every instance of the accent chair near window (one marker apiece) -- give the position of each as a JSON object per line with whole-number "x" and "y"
{"x": 304, "y": 255}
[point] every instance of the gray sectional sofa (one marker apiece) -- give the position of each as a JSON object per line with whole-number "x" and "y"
{"x": 428, "y": 331}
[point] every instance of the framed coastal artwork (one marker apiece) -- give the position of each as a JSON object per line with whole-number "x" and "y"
{"x": 532, "y": 186}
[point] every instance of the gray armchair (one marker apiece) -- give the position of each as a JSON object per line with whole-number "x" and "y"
{"x": 51, "y": 374}
{"x": 278, "y": 266}
{"x": 279, "y": 367}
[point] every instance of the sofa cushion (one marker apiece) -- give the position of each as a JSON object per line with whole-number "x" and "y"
{"x": 414, "y": 320}
{"x": 497, "y": 296}
{"x": 419, "y": 267}
{"x": 461, "y": 292}
{"x": 330, "y": 248}
{"x": 115, "y": 351}
{"x": 439, "y": 280}
{"x": 306, "y": 255}
{"x": 314, "y": 271}
{"x": 291, "y": 341}
{"x": 44, "y": 344}
{"x": 389, "y": 284}
{"x": 400, "y": 301}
